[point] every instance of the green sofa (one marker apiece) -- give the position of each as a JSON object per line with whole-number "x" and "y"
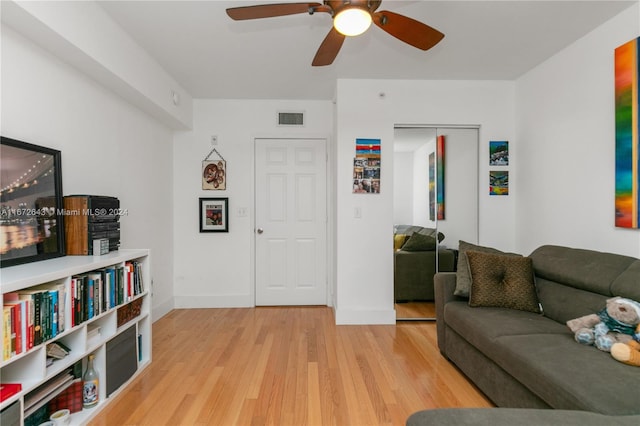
{"x": 415, "y": 264}
{"x": 530, "y": 360}
{"x": 516, "y": 416}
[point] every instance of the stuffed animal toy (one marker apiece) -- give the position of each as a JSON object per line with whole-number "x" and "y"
{"x": 616, "y": 323}
{"x": 628, "y": 353}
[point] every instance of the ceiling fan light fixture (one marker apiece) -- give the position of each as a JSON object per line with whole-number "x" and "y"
{"x": 352, "y": 21}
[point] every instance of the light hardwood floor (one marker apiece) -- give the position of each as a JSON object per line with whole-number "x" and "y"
{"x": 415, "y": 310}
{"x": 287, "y": 366}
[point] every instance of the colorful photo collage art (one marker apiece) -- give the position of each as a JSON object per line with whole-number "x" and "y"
{"x": 366, "y": 167}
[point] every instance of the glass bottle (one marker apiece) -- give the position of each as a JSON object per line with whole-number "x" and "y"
{"x": 90, "y": 385}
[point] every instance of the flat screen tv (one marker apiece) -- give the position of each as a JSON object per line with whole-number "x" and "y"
{"x": 31, "y": 209}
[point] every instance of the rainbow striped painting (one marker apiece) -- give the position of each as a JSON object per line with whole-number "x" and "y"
{"x": 440, "y": 176}
{"x": 367, "y": 147}
{"x": 626, "y": 107}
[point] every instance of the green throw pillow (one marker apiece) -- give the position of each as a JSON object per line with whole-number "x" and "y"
{"x": 502, "y": 281}
{"x": 463, "y": 278}
{"x": 419, "y": 242}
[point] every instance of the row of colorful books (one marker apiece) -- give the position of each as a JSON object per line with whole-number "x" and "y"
{"x": 98, "y": 291}
{"x": 35, "y": 315}
{"x": 32, "y": 316}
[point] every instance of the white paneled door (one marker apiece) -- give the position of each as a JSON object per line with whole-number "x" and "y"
{"x": 291, "y": 222}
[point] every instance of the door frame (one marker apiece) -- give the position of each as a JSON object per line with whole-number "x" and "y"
{"x": 330, "y": 208}
{"x": 436, "y": 127}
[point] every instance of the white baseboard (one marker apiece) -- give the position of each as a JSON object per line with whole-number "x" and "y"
{"x": 343, "y": 316}
{"x": 161, "y": 310}
{"x": 232, "y": 301}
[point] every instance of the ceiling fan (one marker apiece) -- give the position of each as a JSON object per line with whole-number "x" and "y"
{"x": 350, "y": 18}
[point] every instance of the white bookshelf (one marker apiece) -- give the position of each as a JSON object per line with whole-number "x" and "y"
{"x": 30, "y": 368}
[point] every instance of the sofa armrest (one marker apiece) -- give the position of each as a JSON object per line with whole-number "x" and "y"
{"x": 444, "y": 286}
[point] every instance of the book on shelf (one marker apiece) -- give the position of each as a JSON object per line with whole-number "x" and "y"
{"x": 7, "y": 390}
{"x": 18, "y": 320}
{"x": 70, "y": 398}
{"x": 6, "y": 332}
{"x": 85, "y": 299}
{"x": 32, "y": 316}
{"x": 57, "y": 350}
{"x": 47, "y": 391}
{"x": 136, "y": 283}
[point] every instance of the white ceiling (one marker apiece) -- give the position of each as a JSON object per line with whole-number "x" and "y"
{"x": 212, "y": 56}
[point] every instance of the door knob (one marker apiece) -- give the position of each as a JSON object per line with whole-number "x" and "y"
{"x": 259, "y": 230}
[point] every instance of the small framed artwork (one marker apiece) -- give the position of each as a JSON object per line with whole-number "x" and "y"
{"x": 214, "y": 215}
{"x": 214, "y": 175}
{"x": 499, "y": 153}
{"x": 498, "y": 182}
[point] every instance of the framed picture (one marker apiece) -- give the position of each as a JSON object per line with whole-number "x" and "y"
{"x": 31, "y": 209}
{"x": 498, "y": 182}
{"x": 214, "y": 215}
{"x": 214, "y": 175}
{"x": 498, "y": 153}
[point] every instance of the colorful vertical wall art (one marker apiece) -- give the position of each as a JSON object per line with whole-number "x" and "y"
{"x": 440, "y": 175}
{"x": 626, "y": 112}
{"x": 436, "y": 181}
{"x": 366, "y": 167}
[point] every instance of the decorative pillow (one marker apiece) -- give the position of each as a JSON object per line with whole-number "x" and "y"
{"x": 463, "y": 279}
{"x": 398, "y": 241}
{"x": 419, "y": 242}
{"x": 502, "y": 281}
{"x": 431, "y": 232}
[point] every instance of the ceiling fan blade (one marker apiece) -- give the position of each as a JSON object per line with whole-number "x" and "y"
{"x": 329, "y": 48}
{"x": 271, "y": 10}
{"x": 408, "y": 30}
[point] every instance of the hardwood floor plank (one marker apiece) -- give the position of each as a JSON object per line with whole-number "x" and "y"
{"x": 313, "y": 395}
{"x": 287, "y": 366}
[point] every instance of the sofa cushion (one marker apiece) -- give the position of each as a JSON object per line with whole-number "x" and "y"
{"x": 432, "y": 232}
{"x": 583, "y": 269}
{"x": 502, "y": 281}
{"x": 481, "y": 326}
{"x": 542, "y": 355}
{"x": 568, "y": 375}
{"x": 463, "y": 277}
{"x": 419, "y": 242}
{"x": 406, "y": 229}
{"x": 562, "y": 303}
{"x": 626, "y": 285}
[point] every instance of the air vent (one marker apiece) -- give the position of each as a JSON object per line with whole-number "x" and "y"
{"x": 291, "y": 119}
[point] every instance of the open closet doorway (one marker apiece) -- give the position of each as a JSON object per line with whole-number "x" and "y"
{"x": 436, "y": 197}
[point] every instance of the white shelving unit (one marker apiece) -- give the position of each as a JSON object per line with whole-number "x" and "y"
{"x": 30, "y": 368}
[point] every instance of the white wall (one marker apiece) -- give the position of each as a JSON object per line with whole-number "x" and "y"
{"x": 364, "y": 250}
{"x": 108, "y": 147}
{"x": 82, "y": 34}
{"x": 566, "y": 135}
{"x": 216, "y": 269}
